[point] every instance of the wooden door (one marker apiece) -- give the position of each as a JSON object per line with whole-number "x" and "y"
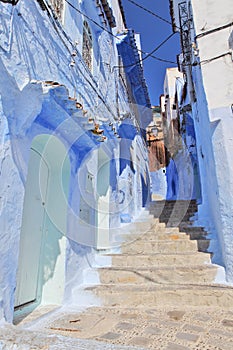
{"x": 32, "y": 230}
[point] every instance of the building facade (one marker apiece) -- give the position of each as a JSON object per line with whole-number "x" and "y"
{"x": 157, "y": 154}
{"x": 63, "y": 109}
{"x": 182, "y": 173}
{"x": 206, "y": 60}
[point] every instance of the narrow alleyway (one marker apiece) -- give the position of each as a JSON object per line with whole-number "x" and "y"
{"x": 159, "y": 293}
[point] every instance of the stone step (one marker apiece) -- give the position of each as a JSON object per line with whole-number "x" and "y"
{"x": 178, "y": 209}
{"x": 132, "y": 233}
{"x": 197, "y": 236}
{"x": 164, "y": 275}
{"x": 186, "y": 226}
{"x": 159, "y": 260}
{"x": 166, "y": 231}
{"x": 164, "y": 217}
{"x": 132, "y": 227}
{"x": 173, "y": 203}
{"x": 141, "y": 296}
{"x": 174, "y": 217}
{"x": 197, "y": 229}
{"x": 140, "y": 226}
{"x": 163, "y": 229}
{"x": 200, "y": 236}
{"x": 203, "y": 245}
{"x": 155, "y": 236}
{"x": 159, "y": 246}
{"x": 179, "y": 223}
{"x": 174, "y": 209}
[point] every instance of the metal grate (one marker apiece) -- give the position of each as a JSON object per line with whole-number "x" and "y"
{"x": 185, "y": 31}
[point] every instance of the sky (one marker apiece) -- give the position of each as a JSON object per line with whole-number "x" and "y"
{"x": 153, "y": 31}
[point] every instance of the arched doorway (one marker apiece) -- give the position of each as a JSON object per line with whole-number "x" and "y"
{"x": 103, "y": 198}
{"x": 41, "y": 264}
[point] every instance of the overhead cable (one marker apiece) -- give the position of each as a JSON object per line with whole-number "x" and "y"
{"x": 149, "y": 11}
{"x": 215, "y": 58}
{"x": 207, "y": 60}
{"x": 59, "y": 30}
{"x": 213, "y": 30}
{"x": 158, "y": 47}
{"x": 116, "y": 36}
{"x": 151, "y": 54}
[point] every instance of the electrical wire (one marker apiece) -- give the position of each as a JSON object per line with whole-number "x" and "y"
{"x": 149, "y": 11}
{"x": 54, "y": 23}
{"x": 215, "y": 58}
{"x": 99, "y": 96}
{"x": 117, "y": 37}
{"x": 151, "y": 55}
{"x": 213, "y": 30}
{"x": 162, "y": 43}
{"x": 159, "y": 46}
{"x": 58, "y": 28}
{"x": 208, "y": 60}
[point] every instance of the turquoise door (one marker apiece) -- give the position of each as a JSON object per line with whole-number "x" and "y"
{"x": 32, "y": 230}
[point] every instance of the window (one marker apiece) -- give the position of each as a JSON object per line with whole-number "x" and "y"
{"x": 87, "y": 45}
{"x": 58, "y": 6}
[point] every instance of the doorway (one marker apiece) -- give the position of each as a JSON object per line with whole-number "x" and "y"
{"x": 32, "y": 230}
{"x": 103, "y": 239}
{"x": 41, "y": 263}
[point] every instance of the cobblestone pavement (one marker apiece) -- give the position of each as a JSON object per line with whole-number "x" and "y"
{"x": 109, "y": 328}
{"x": 12, "y": 338}
{"x": 155, "y": 328}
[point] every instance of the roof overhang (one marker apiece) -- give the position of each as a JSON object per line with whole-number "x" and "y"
{"x": 109, "y": 13}
{"x": 122, "y": 12}
{"x": 173, "y": 5}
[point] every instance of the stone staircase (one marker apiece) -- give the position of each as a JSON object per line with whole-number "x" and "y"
{"x": 166, "y": 265}
{"x": 158, "y": 292}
